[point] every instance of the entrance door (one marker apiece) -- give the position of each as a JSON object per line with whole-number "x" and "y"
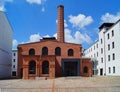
{"x": 70, "y": 69}
{"x": 21, "y": 72}
{"x": 101, "y": 71}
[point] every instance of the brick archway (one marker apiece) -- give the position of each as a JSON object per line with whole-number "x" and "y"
{"x": 32, "y": 67}
{"x": 45, "y": 67}
{"x": 85, "y": 69}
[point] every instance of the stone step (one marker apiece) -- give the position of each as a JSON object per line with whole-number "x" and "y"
{"x": 40, "y": 78}
{"x": 73, "y": 77}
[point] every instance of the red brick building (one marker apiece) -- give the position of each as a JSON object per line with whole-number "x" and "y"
{"x": 52, "y": 57}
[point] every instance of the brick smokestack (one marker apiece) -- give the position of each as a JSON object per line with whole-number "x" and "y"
{"x": 60, "y": 34}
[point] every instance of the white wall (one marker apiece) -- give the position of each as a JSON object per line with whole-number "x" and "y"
{"x": 14, "y": 61}
{"x": 93, "y": 53}
{"x": 116, "y": 50}
{"x": 5, "y": 46}
{"x": 105, "y": 65}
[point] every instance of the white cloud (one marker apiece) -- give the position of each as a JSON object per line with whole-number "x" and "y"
{"x": 80, "y": 21}
{"x": 110, "y": 17}
{"x": 43, "y": 9}
{"x": 2, "y": 4}
{"x": 36, "y": 1}
{"x": 2, "y": 8}
{"x": 68, "y": 36}
{"x": 39, "y": 2}
{"x": 55, "y": 35}
{"x": 65, "y": 23}
{"x": 14, "y": 43}
{"x": 46, "y": 35}
{"x": 77, "y": 38}
{"x": 35, "y": 37}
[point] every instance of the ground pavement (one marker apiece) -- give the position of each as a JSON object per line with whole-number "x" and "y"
{"x": 63, "y": 84}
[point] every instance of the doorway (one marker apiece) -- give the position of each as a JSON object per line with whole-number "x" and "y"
{"x": 21, "y": 72}
{"x": 71, "y": 67}
{"x": 101, "y": 71}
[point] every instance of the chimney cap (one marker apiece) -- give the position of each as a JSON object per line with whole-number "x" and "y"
{"x": 60, "y": 6}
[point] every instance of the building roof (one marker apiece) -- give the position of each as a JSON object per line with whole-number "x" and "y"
{"x": 48, "y": 41}
{"x": 47, "y": 38}
{"x": 61, "y": 6}
{"x": 106, "y": 25}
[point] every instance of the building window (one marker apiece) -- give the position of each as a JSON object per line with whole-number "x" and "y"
{"x": 31, "y": 52}
{"x": 113, "y": 56}
{"x": 85, "y": 69}
{"x": 114, "y": 69}
{"x": 108, "y": 57}
{"x": 91, "y": 56}
{"x": 94, "y": 55}
{"x": 14, "y": 54}
{"x": 94, "y": 47}
{"x": 14, "y": 73}
{"x": 109, "y": 70}
{"x": 113, "y": 45}
{"x": 97, "y": 45}
{"x": 101, "y": 60}
{"x": 97, "y": 54}
{"x": 112, "y": 32}
{"x": 108, "y": 46}
{"x": 101, "y": 41}
{"x": 58, "y": 51}
{"x": 13, "y": 60}
{"x": 101, "y": 50}
{"x": 32, "y": 67}
{"x": 70, "y": 52}
{"x": 13, "y": 66}
{"x": 108, "y": 36}
{"x": 45, "y": 67}
{"x": 44, "y": 51}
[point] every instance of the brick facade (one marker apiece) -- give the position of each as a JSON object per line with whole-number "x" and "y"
{"x": 55, "y": 62}
{"x": 52, "y": 57}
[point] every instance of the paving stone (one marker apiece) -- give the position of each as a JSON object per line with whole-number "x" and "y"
{"x": 63, "y": 84}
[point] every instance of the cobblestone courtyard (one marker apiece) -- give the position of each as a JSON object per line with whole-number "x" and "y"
{"x": 64, "y": 84}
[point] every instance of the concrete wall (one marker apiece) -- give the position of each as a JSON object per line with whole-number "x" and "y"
{"x": 5, "y": 46}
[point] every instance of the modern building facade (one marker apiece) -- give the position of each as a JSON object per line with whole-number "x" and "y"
{"x": 105, "y": 51}
{"x": 14, "y": 63}
{"x": 51, "y": 57}
{"x": 5, "y": 46}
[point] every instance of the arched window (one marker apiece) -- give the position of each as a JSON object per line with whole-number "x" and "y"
{"x": 32, "y": 67}
{"x": 70, "y": 52}
{"x": 31, "y": 52}
{"x": 45, "y": 67}
{"x": 58, "y": 51}
{"x": 44, "y": 51}
{"x": 85, "y": 69}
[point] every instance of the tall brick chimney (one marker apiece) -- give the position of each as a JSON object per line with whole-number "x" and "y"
{"x": 60, "y": 33}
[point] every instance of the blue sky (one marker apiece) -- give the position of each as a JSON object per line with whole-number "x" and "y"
{"x": 33, "y": 19}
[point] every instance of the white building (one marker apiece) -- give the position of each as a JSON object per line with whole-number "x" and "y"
{"x": 5, "y": 46}
{"x": 107, "y": 49}
{"x": 14, "y": 63}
